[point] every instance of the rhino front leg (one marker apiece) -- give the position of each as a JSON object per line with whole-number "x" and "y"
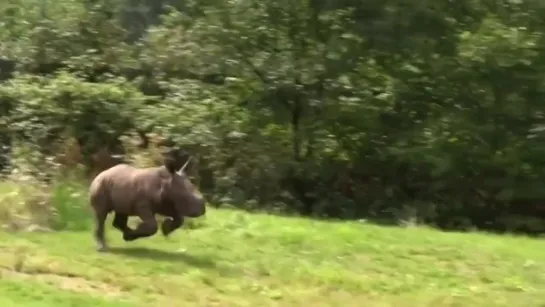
{"x": 148, "y": 227}
{"x": 171, "y": 224}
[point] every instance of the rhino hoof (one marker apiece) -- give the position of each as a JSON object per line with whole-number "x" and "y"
{"x": 127, "y": 237}
{"x": 102, "y": 248}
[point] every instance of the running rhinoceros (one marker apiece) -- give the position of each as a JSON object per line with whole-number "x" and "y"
{"x": 143, "y": 192}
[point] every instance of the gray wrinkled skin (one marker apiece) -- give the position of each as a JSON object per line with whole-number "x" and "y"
{"x": 143, "y": 192}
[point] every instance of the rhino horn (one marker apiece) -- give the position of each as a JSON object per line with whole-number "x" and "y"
{"x": 184, "y": 166}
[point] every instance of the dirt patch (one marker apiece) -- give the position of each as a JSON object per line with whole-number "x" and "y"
{"x": 70, "y": 283}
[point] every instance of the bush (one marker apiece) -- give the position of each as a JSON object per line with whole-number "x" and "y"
{"x": 306, "y": 108}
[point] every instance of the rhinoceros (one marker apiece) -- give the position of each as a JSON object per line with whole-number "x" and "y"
{"x": 143, "y": 192}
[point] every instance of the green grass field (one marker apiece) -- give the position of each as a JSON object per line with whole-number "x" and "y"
{"x": 241, "y": 259}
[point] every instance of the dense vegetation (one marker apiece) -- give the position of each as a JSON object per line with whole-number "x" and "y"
{"x": 394, "y": 110}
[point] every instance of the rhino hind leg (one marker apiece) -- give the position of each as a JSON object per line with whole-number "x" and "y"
{"x": 147, "y": 227}
{"x": 171, "y": 224}
{"x": 100, "y": 219}
{"x": 120, "y": 222}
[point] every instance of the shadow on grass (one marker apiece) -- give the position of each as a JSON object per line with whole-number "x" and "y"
{"x": 160, "y": 255}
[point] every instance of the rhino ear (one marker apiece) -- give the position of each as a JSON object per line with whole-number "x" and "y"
{"x": 171, "y": 165}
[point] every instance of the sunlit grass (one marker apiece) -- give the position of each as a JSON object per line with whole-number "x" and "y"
{"x": 240, "y": 259}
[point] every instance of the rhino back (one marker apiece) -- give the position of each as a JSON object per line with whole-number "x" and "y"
{"x": 128, "y": 187}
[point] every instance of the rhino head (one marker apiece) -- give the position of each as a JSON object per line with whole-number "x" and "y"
{"x": 183, "y": 195}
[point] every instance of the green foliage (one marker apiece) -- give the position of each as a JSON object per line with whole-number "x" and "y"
{"x": 70, "y": 202}
{"x": 388, "y": 110}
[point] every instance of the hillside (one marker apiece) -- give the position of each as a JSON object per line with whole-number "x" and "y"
{"x": 240, "y": 259}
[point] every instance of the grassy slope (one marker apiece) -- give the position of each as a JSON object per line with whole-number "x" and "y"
{"x": 239, "y": 259}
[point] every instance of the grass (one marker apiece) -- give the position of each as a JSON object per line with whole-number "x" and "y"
{"x": 241, "y": 259}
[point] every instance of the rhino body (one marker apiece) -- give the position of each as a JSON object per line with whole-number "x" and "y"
{"x": 143, "y": 192}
